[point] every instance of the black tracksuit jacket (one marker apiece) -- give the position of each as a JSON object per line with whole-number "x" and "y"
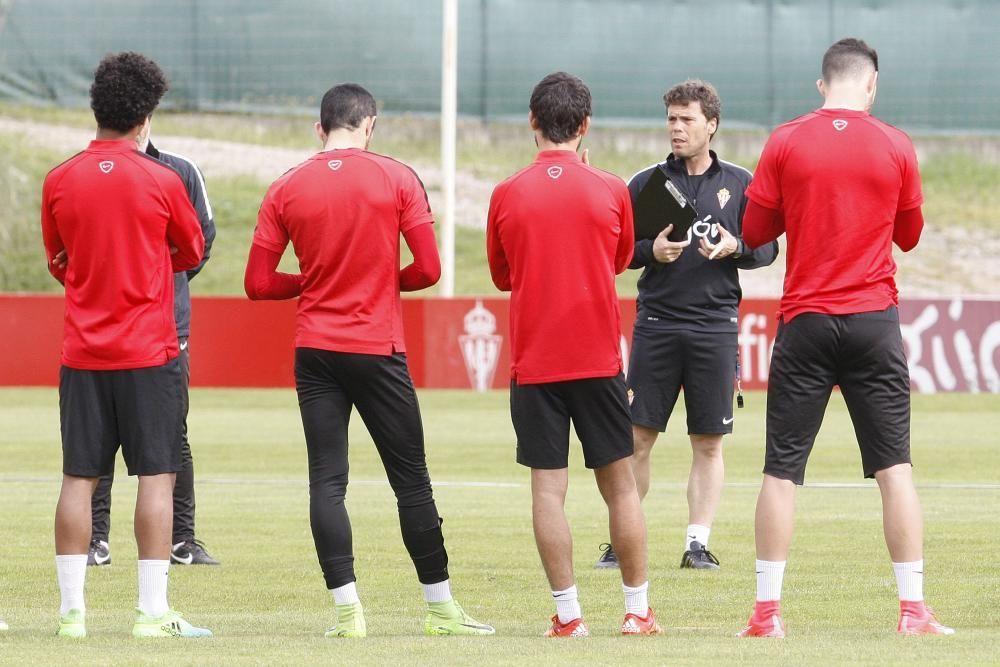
{"x": 694, "y": 293}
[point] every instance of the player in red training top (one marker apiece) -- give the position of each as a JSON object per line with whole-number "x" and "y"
{"x": 557, "y": 234}
{"x": 843, "y": 186}
{"x": 343, "y": 211}
{"x": 126, "y": 225}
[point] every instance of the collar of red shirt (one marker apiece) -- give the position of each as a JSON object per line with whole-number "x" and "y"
{"x": 111, "y": 145}
{"x": 557, "y": 156}
{"x": 325, "y": 155}
{"x": 842, "y": 113}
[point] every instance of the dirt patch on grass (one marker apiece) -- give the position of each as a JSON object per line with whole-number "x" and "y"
{"x": 949, "y": 261}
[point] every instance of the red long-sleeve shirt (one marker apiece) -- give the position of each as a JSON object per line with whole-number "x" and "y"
{"x": 557, "y": 234}
{"x": 118, "y": 213}
{"x": 343, "y": 211}
{"x": 841, "y": 183}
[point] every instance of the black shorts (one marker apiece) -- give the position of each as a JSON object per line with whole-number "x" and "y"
{"x": 139, "y": 409}
{"x": 541, "y": 414}
{"x": 862, "y": 353}
{"x": 704, "y": 364}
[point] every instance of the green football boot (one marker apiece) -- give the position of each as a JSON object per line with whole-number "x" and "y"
{"x": 72, "y": 625}
{"x": 350, "y": 622}
{"x": 448, "y": 618}
{"x": 170, "y": 624}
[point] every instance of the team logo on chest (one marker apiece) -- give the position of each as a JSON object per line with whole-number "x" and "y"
{"x": 723, "y": 196}
{"x": 554, "y": 172}
{"x": 106, "y": 166}
{"x": 839, "y": 124}
{"x": 335, "y": 164}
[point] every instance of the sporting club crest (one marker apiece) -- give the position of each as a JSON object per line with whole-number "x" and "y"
{"x": 723, "y": 196}
{"x": 554, "y": 172}
{"x": 480, "y": 346}
{"x": 334, "y": 164}
{"x": 839, "y": 124}
{"x": 106, "y": 166}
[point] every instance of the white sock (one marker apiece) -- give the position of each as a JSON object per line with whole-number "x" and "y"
{"x": 910, "y": 580}
{"x": 71, "y": 571}
{"x": 636, "y": 599}
{"x": 346, "y": 594}
{"x": 696, "y": 533}
{"x": 770, "y": 574}
{"x": 567, "y": 604}
{"x": 439, "y": 592}
{"x": 153, "y": 576}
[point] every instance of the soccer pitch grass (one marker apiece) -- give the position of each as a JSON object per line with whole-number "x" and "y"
{"x": 267, "y": 603}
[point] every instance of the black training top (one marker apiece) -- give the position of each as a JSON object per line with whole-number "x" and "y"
{"x": 694, "y": 293}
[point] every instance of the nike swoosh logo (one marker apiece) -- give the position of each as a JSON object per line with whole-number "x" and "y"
{"x": 184, "y": 345}
{"x": 473, "y": 625}
{"x": 727, "y": 421}
{"x": 101, "y": 560}
{"x": 186, "y": 560}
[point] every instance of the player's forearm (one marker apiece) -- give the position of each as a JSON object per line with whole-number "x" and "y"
{"x": 761, "y": 225}
{"x": 208, "y": 230}
{"x": 426, "y": 267}
{"x": 643, "y": 254}
{"x": 755, "y": 258}
{"x": 262, "y": 281}
{"x": 907, "y": 228}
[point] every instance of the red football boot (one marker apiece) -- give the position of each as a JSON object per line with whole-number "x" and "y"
{"x": 916, "y": 618}
{"x": 765, "y": 621}
{"x": 574, "y": 628}
{"x": 639, "y": 625}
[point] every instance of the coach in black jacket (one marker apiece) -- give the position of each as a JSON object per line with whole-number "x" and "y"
{"x": 686, "y": 325}
{"x": 186, "y": 550}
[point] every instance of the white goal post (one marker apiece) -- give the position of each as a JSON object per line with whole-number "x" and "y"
{"x": 449, "y": 111}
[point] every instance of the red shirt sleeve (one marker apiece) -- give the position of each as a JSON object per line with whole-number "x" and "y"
{"x": 271, "y": 232}
{"x": 183, "y": 227}
{"x": 499, "y": 268}
{"x": 765, "y": 188}
{"x": 262, "y": 280}
{"x": 761, "y": 225}
{"x": 626, "y": 238}
{"x": 426, "y": 267}
{"x": 50, "y": 233}
{"x": 910, "y": 194}
{"x": 907, "y": 227}
{"x": 414, "y": 207}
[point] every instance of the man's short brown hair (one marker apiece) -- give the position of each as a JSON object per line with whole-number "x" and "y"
{"x": 849, "y": 57}
{"x": 696, "y": 90}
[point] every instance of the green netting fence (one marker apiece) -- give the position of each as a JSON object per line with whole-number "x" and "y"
{"x": 940, "y": 60}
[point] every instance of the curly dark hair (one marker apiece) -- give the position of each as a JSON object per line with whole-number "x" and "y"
{"x": 696, "y": 90}
{"x": 127, "y": 87}
{"x": 560, "y": 103}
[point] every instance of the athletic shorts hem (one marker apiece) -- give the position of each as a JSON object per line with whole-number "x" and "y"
{"x": 709, "y": 431}
{"x": 799, "y": 480}
{"x": 533, "y": 466}
{"x": 594, "y": 466}
{"x": 884, "y": 465}
{"x": 653, "y": 427}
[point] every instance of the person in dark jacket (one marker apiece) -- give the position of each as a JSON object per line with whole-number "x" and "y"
{"x": 685, "y": 332}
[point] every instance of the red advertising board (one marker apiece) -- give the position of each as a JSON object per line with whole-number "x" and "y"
{"x": 952, "y": 345}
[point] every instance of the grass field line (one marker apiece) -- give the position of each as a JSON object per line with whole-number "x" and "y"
{"x": 517, "y": 485}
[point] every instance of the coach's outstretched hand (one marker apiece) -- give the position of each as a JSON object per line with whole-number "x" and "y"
{"x": 726, "y": 246}
{"x": 665, "y": 250}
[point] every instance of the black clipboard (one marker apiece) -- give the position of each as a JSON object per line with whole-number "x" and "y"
{"x": 659, "y": 204}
